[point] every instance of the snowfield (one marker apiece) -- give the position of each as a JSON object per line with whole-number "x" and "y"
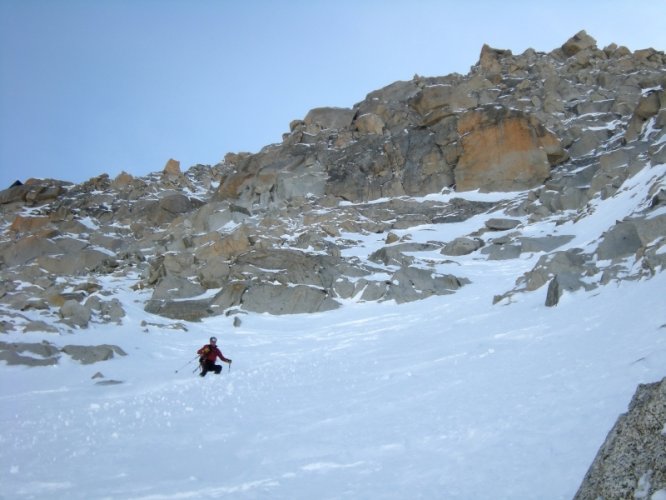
{"x": 450, "y": 397}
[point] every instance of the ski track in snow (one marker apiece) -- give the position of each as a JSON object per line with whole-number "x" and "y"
{"x": 448, "y": 397}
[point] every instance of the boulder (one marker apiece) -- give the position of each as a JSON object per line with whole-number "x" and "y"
{"x": 168, "y": 208}
{"x": 395, "y": 254}
{"x": 172, "y": 168}
{"x": 285, "y": 299}
{"x": 622, "y": 240}
{"x": 231, "y": 295}
{"x": 543, "y": 244}
{"x": 554, "y": 293}
{"x": 369, "y": 123}
{"x": 177, "y": 204}
{"x": 28, "y": 224}
{"x": 501, "y": 251}
{"x": 569, "y": 266}
{"x": 413, "y": 283}
{"x": 648, "y": 106}
{"x": 213, "y": 273}
{"x": 123, "y": 179}
{"x": 496, "y": 224}
{"x": 75, "y": 314}
{"x": 580, "y": 41}
{"x": 87, "y": 355}
{"x": 289, "y": 266}
{"x": 434, "y": 97}
{"x": 631, "y": 462}
{"x": 490, "y": 62}
{"x": 33, "y": 192}
{"x": 187, "y": 310}
{"x": 566, "y": 198}
{"x": 26, "y": 249}
{"x": 390, "y": 104}
{"x": 234, "y": 244}
{"x": 614, "y": 168}
{"x": 176, "y": 287}
{"x": 39, "y": 326}
{"x": 77, "y": 262}
{"x": 329, "y": 118}
{"x": 109, "y": 310}
{"x": 462, "y": 246}
{"x": 12, "y": 353}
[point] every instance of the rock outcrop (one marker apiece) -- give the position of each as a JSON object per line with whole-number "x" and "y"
{"x": 632, "y": 461}
{"x": 47, "y": 354}
{"x": 504, "y": 150}
{"x": 273, "y": 231}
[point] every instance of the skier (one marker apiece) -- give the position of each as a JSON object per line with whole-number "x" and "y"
{"x": 207, "y": 356}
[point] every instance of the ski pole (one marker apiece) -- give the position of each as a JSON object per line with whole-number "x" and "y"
{"x": 195, "y": 357}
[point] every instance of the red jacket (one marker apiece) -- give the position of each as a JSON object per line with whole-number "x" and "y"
{"x": 211, "y": 352}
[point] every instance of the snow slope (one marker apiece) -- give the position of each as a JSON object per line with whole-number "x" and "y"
{"x": 448, "y": 397}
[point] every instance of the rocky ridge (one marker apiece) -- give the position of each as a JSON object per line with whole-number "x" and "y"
{"x": 275, "y": 231}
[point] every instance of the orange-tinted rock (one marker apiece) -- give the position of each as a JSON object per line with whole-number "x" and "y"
{"x": 503, "y": 150}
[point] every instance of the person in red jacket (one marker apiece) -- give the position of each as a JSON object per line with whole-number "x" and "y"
{"x": 207, "y": 356}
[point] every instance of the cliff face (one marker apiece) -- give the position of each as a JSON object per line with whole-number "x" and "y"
{"x": 502, "y": 127}
{"x": 553, "y": 133}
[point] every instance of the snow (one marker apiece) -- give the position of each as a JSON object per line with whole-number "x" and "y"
{"x": 448, "y": 397}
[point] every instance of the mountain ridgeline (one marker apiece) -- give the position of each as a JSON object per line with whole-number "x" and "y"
{"x": 279, "y": 231}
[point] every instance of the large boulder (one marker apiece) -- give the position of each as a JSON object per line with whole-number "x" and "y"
{"x": 75, "y": 314}
{"x": 188, "y": 310}
{"x": 462, "y": 246}
{"x": 78, "y": 262}
{"x": 33, "y": 192}
{"x": 369, "y": 123}
{"x": 450, "y": 97}
{"x": 167, "y": 208}
{"x": 631, "y": 463}
{"x": 42, "y": 354}
{"x": 580, "y": 41}
{"x": 47, "y": 354}
{"x": 289, "y": 266}
{"x": 413, "y": 283}
{"x": 490, "y": 62}
{"x": 648, "y": 106}
{"x": 287, "y": 299}
{"x": 87, "y": 355}
{"x": 622, "y": 240}
{"x": 28, "y": 224}
{"x": 570, "y": 267}
{"x": 272, "y": 176}
{"x": 26, "y": 249}
{"x": 328, "y": 118}
{"x": 172, "y": 168}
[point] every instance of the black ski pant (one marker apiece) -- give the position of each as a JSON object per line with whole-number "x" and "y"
{"x": 210, "y": 366}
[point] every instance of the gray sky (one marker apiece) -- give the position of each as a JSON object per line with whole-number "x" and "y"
{"x": 91, "y": 87}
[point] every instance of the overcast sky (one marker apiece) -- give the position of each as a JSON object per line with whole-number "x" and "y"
{"x": 91, "y": 87}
